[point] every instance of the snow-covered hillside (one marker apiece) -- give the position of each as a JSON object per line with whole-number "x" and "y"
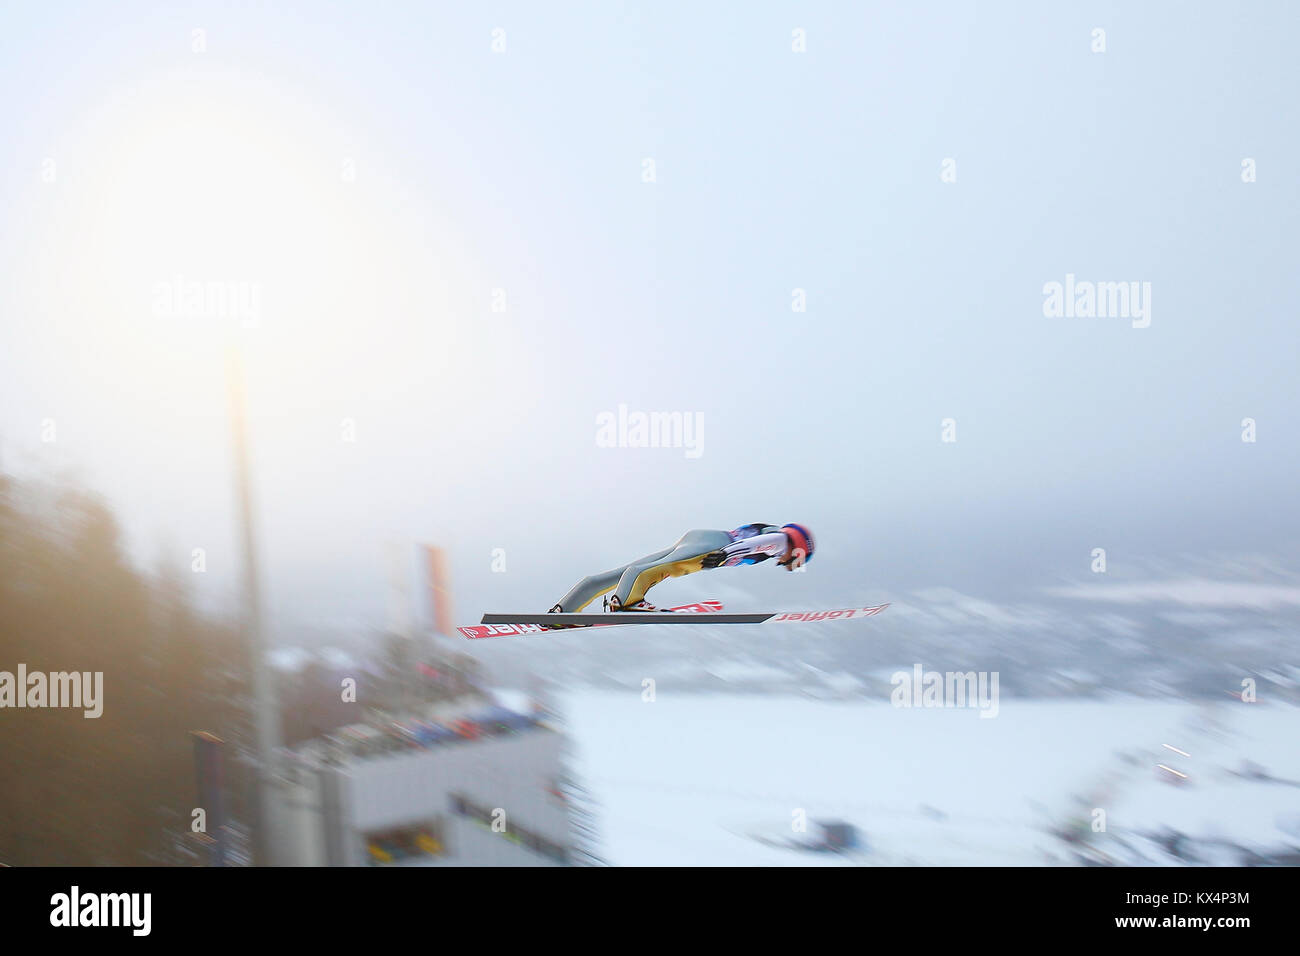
{"x": 699, "y": 779}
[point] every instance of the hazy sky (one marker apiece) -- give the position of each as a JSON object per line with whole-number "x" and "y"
{"x": 369, "y": 174}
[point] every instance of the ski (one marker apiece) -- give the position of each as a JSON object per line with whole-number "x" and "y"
{"x": 504, "y": 625}
{"x": 843, "y": 614}
{"x": 545, "y": 623}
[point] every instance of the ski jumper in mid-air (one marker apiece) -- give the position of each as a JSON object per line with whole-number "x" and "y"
{"x": 791, "y": 546}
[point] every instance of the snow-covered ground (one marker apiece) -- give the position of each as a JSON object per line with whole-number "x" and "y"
{"x": 694, "y": 779}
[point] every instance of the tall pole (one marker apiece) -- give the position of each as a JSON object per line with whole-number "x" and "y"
{"x": 266, "y": 723}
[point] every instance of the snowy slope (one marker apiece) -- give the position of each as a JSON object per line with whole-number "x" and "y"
{"x": 691, "y": 779}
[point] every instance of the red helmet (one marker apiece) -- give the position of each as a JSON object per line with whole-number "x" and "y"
{"x": 800, "y": 539}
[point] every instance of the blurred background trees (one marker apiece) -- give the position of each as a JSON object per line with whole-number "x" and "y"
{"x": 118, "y": 789}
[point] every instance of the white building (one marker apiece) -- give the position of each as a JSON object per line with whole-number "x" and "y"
{"x": 430, "y": 797}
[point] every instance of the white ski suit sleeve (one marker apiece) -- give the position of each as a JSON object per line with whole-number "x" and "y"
{"x": 751, "y": 550}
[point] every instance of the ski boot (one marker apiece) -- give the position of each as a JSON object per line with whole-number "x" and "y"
{"x": 557, "y": 627}
{"x": 613, "y": 603}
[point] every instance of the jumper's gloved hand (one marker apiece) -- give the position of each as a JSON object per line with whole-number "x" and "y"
{"x": 714, "y": 559}
{"x": 795, "y": 561}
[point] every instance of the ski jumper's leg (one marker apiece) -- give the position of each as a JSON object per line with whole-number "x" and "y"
{"x": 594, "y": 585}
{"x": 685, "y": 557}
